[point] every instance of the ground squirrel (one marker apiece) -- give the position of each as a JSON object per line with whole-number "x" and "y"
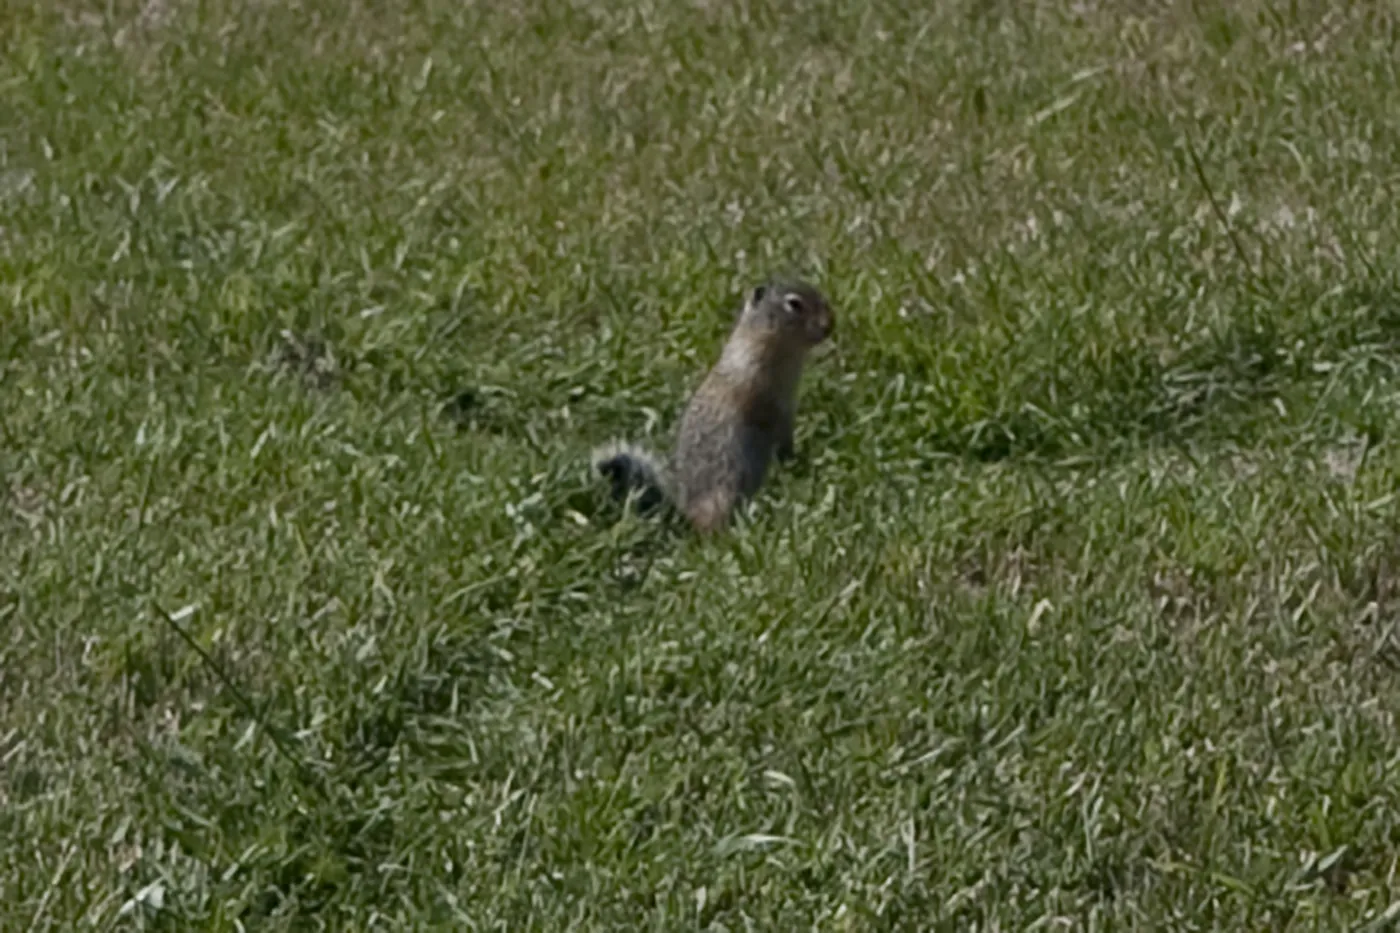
{"x": 740, "y": 417}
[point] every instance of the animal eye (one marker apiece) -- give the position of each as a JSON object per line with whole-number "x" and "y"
{"x": 794, "y": 304}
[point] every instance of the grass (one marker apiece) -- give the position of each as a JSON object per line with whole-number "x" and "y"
{"x": 1079, "y": 608}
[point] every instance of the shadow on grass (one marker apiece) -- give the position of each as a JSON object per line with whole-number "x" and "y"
{"x": 1222, "y": 384}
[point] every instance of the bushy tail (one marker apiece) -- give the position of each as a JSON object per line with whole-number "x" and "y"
{"x": 633, "y": 472}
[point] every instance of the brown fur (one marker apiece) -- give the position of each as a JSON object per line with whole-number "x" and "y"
{"x": 742, "y": 415}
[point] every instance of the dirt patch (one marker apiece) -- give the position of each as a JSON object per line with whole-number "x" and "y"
{"x": 309, "y": 359}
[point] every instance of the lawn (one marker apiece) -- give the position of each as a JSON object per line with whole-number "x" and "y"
{"x": 1080, "y": 607}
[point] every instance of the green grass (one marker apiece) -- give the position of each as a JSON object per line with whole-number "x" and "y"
{"x": 1079, "y": 608}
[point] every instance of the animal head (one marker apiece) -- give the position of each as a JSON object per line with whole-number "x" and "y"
{"x": 794, "y": 309}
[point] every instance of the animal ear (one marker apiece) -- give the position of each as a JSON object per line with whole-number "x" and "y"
{"x": 757, "y": 295}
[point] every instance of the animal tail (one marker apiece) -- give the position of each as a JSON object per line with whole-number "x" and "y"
{"x": 633, "y": 472}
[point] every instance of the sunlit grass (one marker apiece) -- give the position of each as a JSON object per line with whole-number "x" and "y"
{"x": 1077, "y": 606}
